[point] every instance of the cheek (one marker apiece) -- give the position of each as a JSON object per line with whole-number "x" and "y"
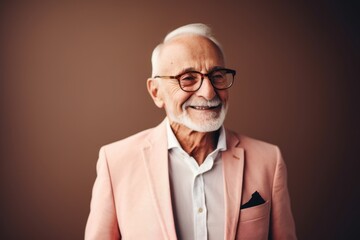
{"x": 175, "y": 97}
{"x": 223, "y": 95}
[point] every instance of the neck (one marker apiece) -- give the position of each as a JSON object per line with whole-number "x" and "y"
{"x": 196, "y": 144}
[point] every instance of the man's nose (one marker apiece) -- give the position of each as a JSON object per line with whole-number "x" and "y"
{"x": 206, "y": 90}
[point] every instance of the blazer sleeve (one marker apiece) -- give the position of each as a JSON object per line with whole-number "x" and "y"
{"x": 282, "y": 222}
{"x": 102, "y": 221}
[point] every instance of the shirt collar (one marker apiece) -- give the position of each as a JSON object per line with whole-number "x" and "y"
{"x": 174, "y": 143}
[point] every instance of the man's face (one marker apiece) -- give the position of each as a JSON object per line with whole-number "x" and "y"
{"x": 205, "y": 109}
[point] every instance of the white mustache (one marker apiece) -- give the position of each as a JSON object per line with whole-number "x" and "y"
{"x": 200, "y": 102}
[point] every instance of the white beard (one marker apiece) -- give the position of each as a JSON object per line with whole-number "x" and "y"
{"x": 209, "y": 122}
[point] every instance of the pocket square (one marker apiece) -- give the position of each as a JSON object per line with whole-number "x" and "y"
{"x": 255, "y": 200}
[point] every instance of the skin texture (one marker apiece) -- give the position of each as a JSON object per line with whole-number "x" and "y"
{"x": 189, "y": 52}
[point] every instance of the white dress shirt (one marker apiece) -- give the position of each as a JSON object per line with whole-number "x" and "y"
{"x": 197, "y": 192}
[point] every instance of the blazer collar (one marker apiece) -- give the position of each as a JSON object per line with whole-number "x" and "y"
{"x": 233, "y": 167}
{"x": 155, "y": 155}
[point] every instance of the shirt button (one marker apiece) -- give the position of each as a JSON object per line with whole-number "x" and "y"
{"x": 200, "y": 210}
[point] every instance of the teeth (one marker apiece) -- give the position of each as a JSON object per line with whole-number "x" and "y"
{"x": 202, "y": 107}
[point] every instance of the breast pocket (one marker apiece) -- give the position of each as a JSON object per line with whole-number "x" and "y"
{"x": 254, "y": 222}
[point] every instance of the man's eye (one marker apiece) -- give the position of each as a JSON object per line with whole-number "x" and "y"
{"x": 218, "y": 75}
{"x": 188, "y": 77}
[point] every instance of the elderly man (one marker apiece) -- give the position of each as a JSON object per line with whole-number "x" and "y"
{"x": 189, "y": 177}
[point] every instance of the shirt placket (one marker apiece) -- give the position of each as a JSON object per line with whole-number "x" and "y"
{"x": 200, "y": 210}
{"x": 199, "y": 201}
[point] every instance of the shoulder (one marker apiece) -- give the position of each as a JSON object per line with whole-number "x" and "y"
{"x": 128, "y": 144}
{"x": 133, "y": 139}
{"x": 249, "y": 143}
{"x": 131, "y": 147}
{"x": 256, "y": 151}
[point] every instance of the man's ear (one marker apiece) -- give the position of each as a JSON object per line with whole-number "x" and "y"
{"x": 153, "y": 89}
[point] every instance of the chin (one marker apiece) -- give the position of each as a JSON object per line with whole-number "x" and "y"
{"x": 209, "y": 126}
{"x": 208, "y": 123}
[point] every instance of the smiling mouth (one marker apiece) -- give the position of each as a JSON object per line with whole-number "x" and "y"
{"x": 204, "y": 107}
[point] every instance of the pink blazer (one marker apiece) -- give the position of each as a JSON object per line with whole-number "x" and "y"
{"x": 131, "y": 196}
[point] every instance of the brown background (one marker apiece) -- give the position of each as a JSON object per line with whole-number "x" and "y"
{"x": 73, "y": 79}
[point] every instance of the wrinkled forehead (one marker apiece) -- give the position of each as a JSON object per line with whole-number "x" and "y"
{"x": 189, "y": 51}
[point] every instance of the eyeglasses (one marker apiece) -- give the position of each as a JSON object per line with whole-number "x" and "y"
{"x": 191, "y": 81}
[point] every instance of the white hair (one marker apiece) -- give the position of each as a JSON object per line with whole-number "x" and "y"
{"x": 199, "y": 29}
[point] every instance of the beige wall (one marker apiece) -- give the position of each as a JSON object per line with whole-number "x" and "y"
{"x": 73, "y": 78}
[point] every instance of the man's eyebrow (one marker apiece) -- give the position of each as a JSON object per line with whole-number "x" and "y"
{"x": 191, "y": 69}
{"x": 216, "y": 68}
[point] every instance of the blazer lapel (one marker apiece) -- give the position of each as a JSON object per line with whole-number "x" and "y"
{"x": 233, "y": 162}
{"x": 155, "y": 155}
